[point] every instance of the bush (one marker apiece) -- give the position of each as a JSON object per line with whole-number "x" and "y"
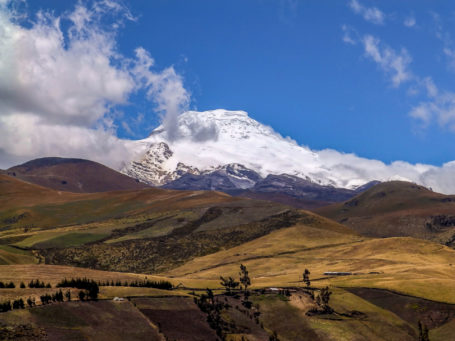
{"x": 5, "y": 306}
{"x": 36, "y": 284}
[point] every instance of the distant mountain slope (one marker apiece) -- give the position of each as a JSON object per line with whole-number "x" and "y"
{"x": 25, "y": 205}
{"x": 298, "y": 192}
{"x": 73, "y": 175}
{"x": 291, "y": 190}
{"x": 398, "y": 208}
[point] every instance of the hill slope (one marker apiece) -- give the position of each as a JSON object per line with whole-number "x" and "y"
{"x": 73, "y": 175}
{"x": 398, "y": 209}
{"x": 99, "y": 230}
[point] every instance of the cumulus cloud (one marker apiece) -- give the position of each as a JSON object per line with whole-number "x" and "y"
{"x": 390, "y": 61}
{"x": 60, "y": 87}
{"x": 371, "y": 14}
{"x": 355, "y": 171}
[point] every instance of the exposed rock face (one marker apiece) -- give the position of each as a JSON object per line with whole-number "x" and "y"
{"x": 227, "y": 177}
{"x": 153, "y": 167}
{"x": 302, "y": 188}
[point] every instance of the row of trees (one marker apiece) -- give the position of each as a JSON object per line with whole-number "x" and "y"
{"x": 82, "y": 283}
{"x": 213, "y": 308}
{"x": 36, "y": 284}
{"x": 7, "y": 285}
{"x": 31, "y": 284}
{"x": 165, "y": 285}
{"x": 57, "y": 297}
{"x": 7, "y": 306}
{"x": 233, "y": 288}
{"x": 244, "y": 282}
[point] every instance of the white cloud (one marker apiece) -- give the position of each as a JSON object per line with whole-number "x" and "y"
{"x": 27, "y": 136}
{"x": 351, "y": 167}
{"x": 441, "y": 108}
{"x": 165, "y": 89}
{"x": 370, "y": 14}
{"x": 59, "y": 88}
{"x": 409, "y": 21}
{"x": 444, "y": 36}
{"x": 390, "y": 61}
{"x": 349, "y": 35}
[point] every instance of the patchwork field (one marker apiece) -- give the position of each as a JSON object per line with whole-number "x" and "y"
{"x": 191, "y": 239}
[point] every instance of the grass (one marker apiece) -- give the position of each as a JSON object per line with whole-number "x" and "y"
{"x": 10, "y": 255}
{"x": 59, "y": 239}
{"x": 103, "y": 320}
{"x": 406, "y": 265}
{"x": 45, "y": 208}
{"x": 443, "y": 333}
{"x": 288, "y": 318}
{"x": 70, "y": 239}
{"x": 394, "y": 209}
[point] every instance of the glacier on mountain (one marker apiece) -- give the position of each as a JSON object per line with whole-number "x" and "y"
{"x": 208, "y": 141}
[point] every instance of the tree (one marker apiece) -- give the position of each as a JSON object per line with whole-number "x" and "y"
{"x": 423, "y": 332}
{"x": 325, "y": 296}
{"x": 68, "y": 295}
{"x": 22, "y": 285}
{"x": 210, "y": 296}
{"x": 5, "y": 306}
{"x": 229, "y": 283}
{"x": 93, "y": 292}
{"x": 81, "y": 295}
{"x": 306, "y": 277}
{"x": 31, "y": 302}
{"x": 244, "y": 278}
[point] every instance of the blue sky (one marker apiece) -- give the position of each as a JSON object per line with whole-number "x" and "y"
{"x": 374, "y": 78}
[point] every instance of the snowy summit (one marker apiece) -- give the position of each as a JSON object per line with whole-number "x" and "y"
{"x": 208, "y": 141}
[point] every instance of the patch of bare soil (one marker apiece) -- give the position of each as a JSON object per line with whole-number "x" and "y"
{"x": 302, "y": 301}
{"x": 102, "y": 320}
{"x": 22, "y": 332}
{"x": 178, "y": 318}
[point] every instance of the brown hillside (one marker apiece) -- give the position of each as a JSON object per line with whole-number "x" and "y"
{"x": 73, "y": 175}
{"x": 395, "y": 209}
{"x": 24, "y": 204}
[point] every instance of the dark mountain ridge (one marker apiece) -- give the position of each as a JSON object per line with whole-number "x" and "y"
{"x": 397, "y": 209}
{"x": 73, "y": 175}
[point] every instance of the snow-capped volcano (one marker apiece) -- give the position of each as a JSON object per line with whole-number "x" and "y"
{"x": 207, "y": 141}
{"x": 213, "y": 139}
